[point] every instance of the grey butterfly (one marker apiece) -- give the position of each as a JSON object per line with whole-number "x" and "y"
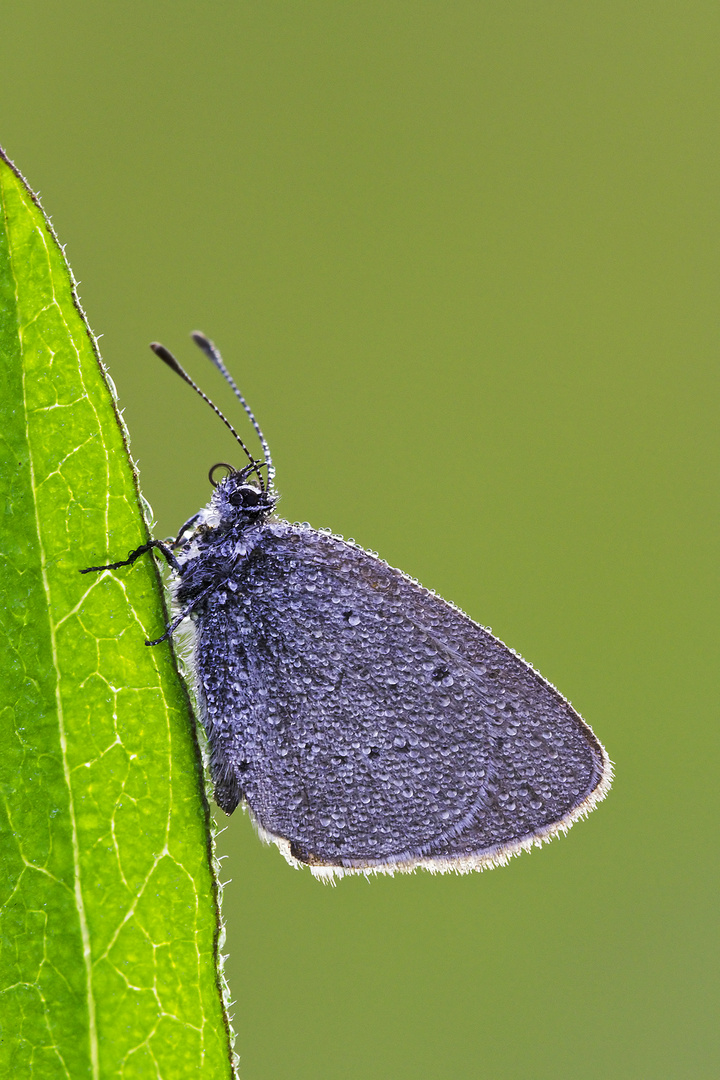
{"x": 368, "y": 725}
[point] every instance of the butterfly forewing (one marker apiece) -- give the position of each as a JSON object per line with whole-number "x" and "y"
{"x": 368, "y": 724}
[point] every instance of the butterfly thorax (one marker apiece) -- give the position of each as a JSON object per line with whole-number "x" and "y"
{"x": 223, "y": 536}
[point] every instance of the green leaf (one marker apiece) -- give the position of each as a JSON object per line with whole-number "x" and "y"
{"x": 108, "y": 902}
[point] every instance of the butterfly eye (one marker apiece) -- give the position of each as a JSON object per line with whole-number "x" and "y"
{"x": 244, "y": 496}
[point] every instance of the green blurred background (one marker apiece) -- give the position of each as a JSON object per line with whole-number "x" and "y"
{"x": 465, "y": 260}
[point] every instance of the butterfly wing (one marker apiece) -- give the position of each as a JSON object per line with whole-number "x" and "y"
{"x": 370, "y": 725}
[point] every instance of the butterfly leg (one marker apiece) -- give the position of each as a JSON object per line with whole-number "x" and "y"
{"x": 186, "y": 528}
{"x": 161, "y": 546}
{"x": 172, "y": 627}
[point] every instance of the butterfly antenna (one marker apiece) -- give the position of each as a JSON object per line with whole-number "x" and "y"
{"x": 172, "y": 363}
{"x": 212, "y": 354}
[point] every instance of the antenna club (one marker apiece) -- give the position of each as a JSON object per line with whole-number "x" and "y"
{"x": 200, "y": 339}
{"x": 167, "y": 356}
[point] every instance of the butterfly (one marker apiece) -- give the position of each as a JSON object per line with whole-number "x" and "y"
{"x": 368, "y": 725}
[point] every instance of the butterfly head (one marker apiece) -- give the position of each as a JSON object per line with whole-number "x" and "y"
{"x": 237, "y": 499}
